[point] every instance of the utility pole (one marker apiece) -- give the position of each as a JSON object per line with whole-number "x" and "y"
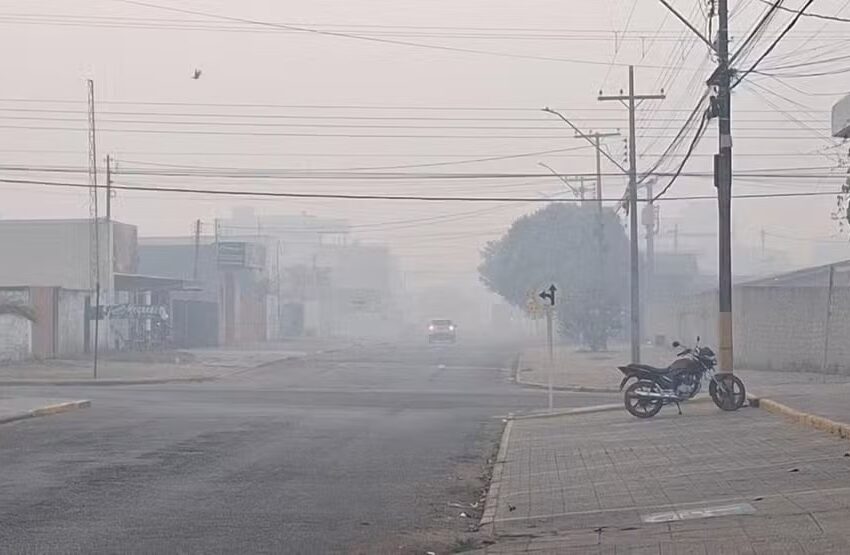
{"x": 723, "y": 181}
{"x": 649, "y": 221}
{"x": 108, "y": 188}
{"x": 676, "y": 238}
{"x": 94, "y": 239}
{"x": 721, "y": 108}
{"x": 763, "y": 235}
{"x": 634, "y": 258}
{"x": 197, "y": 249}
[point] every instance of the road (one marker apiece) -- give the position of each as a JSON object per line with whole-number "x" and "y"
{"x": 357, "y": 451}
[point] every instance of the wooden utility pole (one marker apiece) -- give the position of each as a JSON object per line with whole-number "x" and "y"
{"x": 631, "y": 100}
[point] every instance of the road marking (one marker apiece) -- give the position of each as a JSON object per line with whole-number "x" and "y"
{"x": 701, "y": 512}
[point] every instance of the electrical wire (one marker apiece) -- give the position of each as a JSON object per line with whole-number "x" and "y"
{"x": 775, "y": 42}
{"x": 383, "y": 197}
{"x": 697, "y": 136}
{"x": 814, "y": 15}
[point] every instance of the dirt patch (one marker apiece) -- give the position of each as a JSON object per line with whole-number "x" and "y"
{"x": 446, "y": 530}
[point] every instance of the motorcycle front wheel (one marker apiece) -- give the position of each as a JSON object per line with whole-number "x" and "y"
{"x": 727, "y": 392}
{"x": 640, "y": 407}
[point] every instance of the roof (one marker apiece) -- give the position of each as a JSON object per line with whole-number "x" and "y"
{"x": 137, "y": 282}
{"x": 815, "y": 276}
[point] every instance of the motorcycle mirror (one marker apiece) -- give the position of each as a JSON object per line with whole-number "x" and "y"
{"x": 676, "y": 344}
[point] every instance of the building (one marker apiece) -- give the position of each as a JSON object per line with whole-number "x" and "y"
{"x": 49, "y": 273}
{"x": 232, "y": 301}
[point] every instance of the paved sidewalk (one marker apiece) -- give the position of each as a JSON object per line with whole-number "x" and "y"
{"x": 826, "y": 395}
{"x": 21, "y": 408}
{"x": 157, "y": 367}
{"x": 704, "y": 482}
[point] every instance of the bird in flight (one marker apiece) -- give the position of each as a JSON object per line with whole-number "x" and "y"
{"x": 197, "y": 74}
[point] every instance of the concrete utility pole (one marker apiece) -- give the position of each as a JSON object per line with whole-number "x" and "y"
{"x": 721, "y": 108}
{"x": 197, "y": 249}
{"x": 630, "y": 100}
{"x": 650, "y": 216}
{"x": 723, "y": 181}
{"x": 108, "y": 188}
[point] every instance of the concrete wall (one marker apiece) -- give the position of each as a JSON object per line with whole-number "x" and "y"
{"x": 775, "y": 328}
{"x": 55, "y": 253}
{"x": 15, "y": 331}
{"x": 71, "y": 322}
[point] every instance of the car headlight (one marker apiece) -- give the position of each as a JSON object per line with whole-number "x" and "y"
{"x": 430, "y": 328}
{"x": 451, "y": 328}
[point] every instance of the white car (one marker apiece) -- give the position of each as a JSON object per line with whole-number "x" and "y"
{"x": 442, "y": 330}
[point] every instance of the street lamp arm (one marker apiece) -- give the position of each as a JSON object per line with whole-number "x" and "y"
{"x": 563, "y": 179}
{"x": 586, "y": 138}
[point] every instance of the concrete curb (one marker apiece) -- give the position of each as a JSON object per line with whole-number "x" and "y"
{"x": 153, "y": 381}
{"x": 107, "y": 382}
{"x": 813, "y": 421}
{"x": 488, "y": 518}
{"x": 46, "y": 411}
{"x": 570, "y": 412}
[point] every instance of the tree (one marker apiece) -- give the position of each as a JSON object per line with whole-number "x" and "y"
{"x": 559, "y": 244}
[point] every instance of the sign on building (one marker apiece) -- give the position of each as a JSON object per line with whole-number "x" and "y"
{"x": 841, "y": 118}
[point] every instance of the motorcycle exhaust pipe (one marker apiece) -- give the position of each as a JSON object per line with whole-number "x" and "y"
{"x": 656, "y": 395}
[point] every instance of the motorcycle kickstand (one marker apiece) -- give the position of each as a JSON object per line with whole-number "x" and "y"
{"x": 678, "y": 406}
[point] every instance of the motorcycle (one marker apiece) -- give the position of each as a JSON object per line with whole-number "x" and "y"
{"x": 681, "y": 381}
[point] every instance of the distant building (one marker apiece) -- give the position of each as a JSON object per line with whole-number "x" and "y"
{"x": 229, "y": 301}
{"x": 48, "y": 268}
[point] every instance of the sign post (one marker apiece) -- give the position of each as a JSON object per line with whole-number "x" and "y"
{"x": 549, "y": 295}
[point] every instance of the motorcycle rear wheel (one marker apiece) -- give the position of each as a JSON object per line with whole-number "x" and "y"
{"x": 729, "y": 395}
{"x": 642, "y": 408}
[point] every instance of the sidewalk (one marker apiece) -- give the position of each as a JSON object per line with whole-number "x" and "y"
{"x": 21, "y": 408}
{"x": 191, "y": 365}
{"x": 827, "y": 395}
{"x": 705, "y": 482}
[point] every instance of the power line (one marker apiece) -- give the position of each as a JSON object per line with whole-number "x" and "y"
{"x": 374, "y": 197}
{"x": 337, "y": 34}
{"x": 813, "y": 15}
{"x": 770, "y": 48}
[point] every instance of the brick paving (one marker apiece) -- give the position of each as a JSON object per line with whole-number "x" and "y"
{"x": 587, "y": 483}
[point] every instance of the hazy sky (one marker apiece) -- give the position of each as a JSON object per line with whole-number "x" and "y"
{"x": 268, "y": 97}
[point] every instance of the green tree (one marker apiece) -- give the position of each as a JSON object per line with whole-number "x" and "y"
{"x": 560, "y": 244}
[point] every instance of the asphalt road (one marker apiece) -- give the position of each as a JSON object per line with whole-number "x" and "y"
{"x": 357, "y": 451}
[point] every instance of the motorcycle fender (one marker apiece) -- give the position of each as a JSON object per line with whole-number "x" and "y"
{"x": 625, "y": 381}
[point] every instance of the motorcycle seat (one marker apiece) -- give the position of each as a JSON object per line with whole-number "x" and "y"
{"x": 653, "y": 369}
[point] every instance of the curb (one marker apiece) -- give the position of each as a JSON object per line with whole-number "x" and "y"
{"x": 491, "y": 503}
{"x": 46, "y": 411}
{"x": 151, "y": 381}
{"x": 570, "y": 412}
{"x": 813, "y": 421}
{"x": 107, "y": 382}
